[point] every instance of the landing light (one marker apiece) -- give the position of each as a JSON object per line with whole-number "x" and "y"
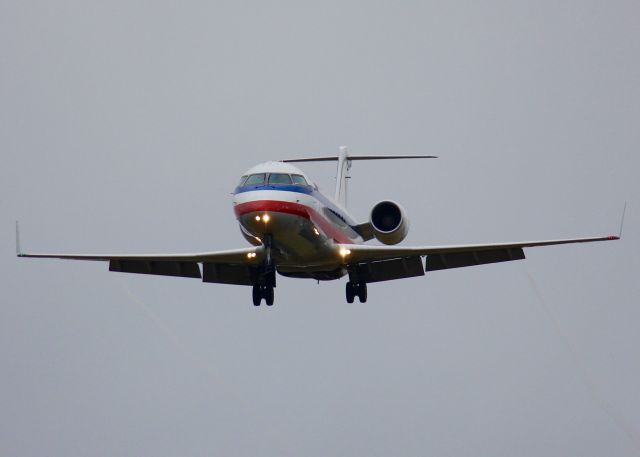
{"x": 251, "y": 255}
{"x": 257, "y": 218}
{"x": 344, "y": 252}
{"x": 266, "y": 218}
{"x": 315, "y": 230}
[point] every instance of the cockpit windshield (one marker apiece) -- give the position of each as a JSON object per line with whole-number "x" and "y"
{"x": 279, "y": 178}
{"x": 299, "y": 179}
{"x": 260, "y": 179}
{"x": 255, "y": 180}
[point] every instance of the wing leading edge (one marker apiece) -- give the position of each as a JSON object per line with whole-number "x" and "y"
{"x": 236, "y": 266}
{"x": 453, "y": 256}
{"x": 233, "y": 255}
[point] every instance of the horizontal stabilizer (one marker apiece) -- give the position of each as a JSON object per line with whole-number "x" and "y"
{"x": 336, "y": 158}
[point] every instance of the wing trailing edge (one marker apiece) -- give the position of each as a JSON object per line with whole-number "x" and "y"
{"x": 480, "y": 253}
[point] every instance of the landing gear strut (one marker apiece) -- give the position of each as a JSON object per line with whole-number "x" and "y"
{"x": 265, "y": 279}
{"x": 260, "y": 292}
{"x": 352, "y": 289}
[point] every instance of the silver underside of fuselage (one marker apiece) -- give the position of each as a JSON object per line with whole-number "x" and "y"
{"x": 298, "y": 248}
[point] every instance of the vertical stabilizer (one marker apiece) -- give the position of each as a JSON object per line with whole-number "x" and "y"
{"x": 344, "y": 164}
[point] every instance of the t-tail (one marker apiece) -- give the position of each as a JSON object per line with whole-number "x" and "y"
{"x": 344, "y": 165}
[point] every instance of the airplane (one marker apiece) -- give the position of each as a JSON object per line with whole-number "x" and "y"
{"x": 298, "y": 232}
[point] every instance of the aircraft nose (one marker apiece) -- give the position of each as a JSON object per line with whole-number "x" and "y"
{"x": 259, "y": 222}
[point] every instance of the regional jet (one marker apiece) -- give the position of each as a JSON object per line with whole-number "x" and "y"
{"x": 296, "y": 231}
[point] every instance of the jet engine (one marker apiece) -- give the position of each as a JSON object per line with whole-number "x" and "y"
{"x": 389, "y": 222}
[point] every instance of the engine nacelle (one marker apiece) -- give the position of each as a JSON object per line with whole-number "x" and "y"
{"x": 389, "y": 222}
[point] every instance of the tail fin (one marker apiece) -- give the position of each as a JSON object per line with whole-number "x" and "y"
{"x": 344, "y": 164}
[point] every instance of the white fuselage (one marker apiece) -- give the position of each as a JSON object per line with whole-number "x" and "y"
{"x": 301, "y": 225}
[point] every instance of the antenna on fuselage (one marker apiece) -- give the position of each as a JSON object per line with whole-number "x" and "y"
{"x": 344, "y": 164}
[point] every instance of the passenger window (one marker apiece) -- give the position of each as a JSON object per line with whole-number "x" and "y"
{"x": 335, "y": 217}
{"x": 279, "y": 178}
{"x": 255, "y": 180}
{"x": 242, "y": 180}
{"x": 299, "y": 179}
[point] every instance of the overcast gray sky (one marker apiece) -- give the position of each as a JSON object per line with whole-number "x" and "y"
{"x": 124, "y": 125}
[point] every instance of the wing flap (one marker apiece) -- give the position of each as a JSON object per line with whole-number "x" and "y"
{"x": 470, "y": 258}
{"x": 387, "y": 270}
{"x": 226, "y": 273}
{"x": 157, "y": 267}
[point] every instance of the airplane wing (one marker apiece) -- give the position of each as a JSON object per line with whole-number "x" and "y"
{"x": 234, "y": 255}
{"x": 382, "y": 263}
{"x": 236, "y": 266}
{"x": 363, "y": 253}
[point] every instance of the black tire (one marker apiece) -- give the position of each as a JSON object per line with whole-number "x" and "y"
{"x": 362, "y": 292}
{"x": 350, "y": 292}
{"x": 256, "y": 295}
{"x": 268, "y": 295}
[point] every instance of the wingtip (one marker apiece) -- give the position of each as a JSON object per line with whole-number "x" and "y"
{"x": 624, "y": 210}
{"x": 18, "y": 251}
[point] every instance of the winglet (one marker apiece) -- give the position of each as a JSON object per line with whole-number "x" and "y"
{"x": 624, "y": 210}
{"x": 619, "y": 235}
{"x": 18, "y": 250}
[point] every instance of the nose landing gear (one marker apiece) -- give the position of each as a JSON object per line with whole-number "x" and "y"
{"x": 354, "y": 289}
{"x": 266, "y": 278}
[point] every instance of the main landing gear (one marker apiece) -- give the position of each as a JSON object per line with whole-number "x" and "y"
{"x": 260, "y": 292}
{"x": 352, "y": 289}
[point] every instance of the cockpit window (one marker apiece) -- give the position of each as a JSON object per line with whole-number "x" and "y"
{"x": 279, "y": 178}
{"x": 299, "y": 179}
{"x": 255, "y": 180}
{"x": 242, "y": 180}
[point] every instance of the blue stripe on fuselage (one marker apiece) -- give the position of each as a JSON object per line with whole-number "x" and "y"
{"x": 308, "y": 190}
{"x": 284, "y": 187}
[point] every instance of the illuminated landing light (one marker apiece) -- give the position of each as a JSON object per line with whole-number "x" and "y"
{"x": 315, "y": 230}
{"x": 344, "y": 252}
{"x": 266, "y": 218}
{"x": 251, "y": 255}
{"x": 257, "y": 218}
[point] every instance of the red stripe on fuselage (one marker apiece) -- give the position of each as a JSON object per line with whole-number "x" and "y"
{"x": 278, "y": 206}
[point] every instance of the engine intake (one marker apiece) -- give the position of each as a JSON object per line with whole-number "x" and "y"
{"x": 389, "y": 222}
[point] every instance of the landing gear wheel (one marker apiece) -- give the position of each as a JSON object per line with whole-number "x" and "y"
{"x": 350, "y": 291}
{"x": 256, "y": 295}
{"x": 268, "y": 295}
{"x": 362, "y": 292}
